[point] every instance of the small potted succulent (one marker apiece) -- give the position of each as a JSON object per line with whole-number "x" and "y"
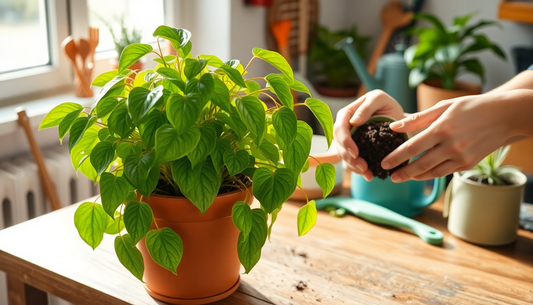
{"x": 180, "y": 151}
{"x": 483, "y": 204}
{"x": 123, "y": 39}
{"x": 335, "y": 75}
{"x": 443, "y": 54}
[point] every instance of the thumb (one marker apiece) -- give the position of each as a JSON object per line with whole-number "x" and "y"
{"x": 418, "y": 120}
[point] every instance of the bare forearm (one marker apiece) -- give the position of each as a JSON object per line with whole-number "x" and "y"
{"x": 523, "y": 80}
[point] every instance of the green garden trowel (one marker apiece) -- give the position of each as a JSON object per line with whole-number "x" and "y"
{"x": 378, "y": 214}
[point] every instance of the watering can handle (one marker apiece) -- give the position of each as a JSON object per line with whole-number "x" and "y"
{"x": 436, "y": 192}
{"x": 360, "y": 67}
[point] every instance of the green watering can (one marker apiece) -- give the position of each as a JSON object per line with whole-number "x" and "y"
{"x": 392, "y": 74}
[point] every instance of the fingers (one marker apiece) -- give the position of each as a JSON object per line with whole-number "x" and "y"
{"x": 422, "y": 165}
{"x": 370, "y": 103}
{"x": 409, "y": 149}
{"x": 419, "y": 119}
{"x": 441, "y": 170}
{"x": 367, "y": 174}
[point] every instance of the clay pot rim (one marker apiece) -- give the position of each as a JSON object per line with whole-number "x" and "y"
{"x": 518, "y": 175}
{"x": 461, "y": 87}
{"x": 248, "y": 187}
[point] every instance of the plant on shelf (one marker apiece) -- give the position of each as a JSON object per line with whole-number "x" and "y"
{"x": 191, "y": 128}
{"x": 483, "y": 203}
{"x": 446, "y": 52}
{"x": 332, "y": 64}
{"x": 125, "y": 37}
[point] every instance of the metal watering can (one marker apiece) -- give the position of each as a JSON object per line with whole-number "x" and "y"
{"x": 392, "y": 74}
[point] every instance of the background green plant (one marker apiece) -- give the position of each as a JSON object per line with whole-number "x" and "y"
{"x": 192, "y": 127}
{"x": 125, "y": 37}
{"x": 331, "y": 63}
{"x": 490, "y": 169}
{"x": 444, "y": 53}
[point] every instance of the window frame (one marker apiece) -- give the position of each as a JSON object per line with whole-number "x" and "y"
{"x": 54, "y": 76}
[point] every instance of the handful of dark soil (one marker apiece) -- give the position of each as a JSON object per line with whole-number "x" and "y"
{"x": 375, "y": 141}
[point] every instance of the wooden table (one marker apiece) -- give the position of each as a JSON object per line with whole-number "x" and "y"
{"x": 341, "y": 261}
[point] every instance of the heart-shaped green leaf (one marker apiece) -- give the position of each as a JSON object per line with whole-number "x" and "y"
{"x": 102, "y": 79}
{"x": 120, "y": 122}
{"x": 205, "y": 146}
{"x": 131, "y": 54}
{"x": 81, "y": 151}
{"x": 141, "y": 101}
{"x": 115, "y": 226}
{"x": 285, "y": 124}
{"x": 272, "y": 189}
{"x": 237, "y": 161}
{"x": 206, "y": 85}
{"x": 177, "y": 37}
{"x": 183, "y": 112}
{"x": 233, "y": 74}
{"x": 220, "y": 96}
{"x": 66, "y": 124}
{"x": 171, "y": 145}
{"x": 249, "y": 246}
{"x": 102, "y": 155}
{"x": 242, "y": 217}
{"x": 165, "y": 248}
{"x": 150, "y": 124}
{"x": 325, "y": 177}
{"x": 78, "y": 130}
{"x": 106, "y": 106}
{"x": 111, "y": 88}
{"x": 276, "y": 60}
{"x": 124, "y": 149}
{"x": 323, "y": 114}
{"x": 212, "y": 60}
{"x": 296, "y": 85}
{"x": 142, "y": 172}
{"x": 270, "y": 151}
{"x": 217, "y": 155}
{"x": 113, "y": 191}
{"x": 252, "y": 113}
{"x": 306, "y": 218}
{"x": 200, "y": 184}
{"x": 281, "y": 89}
{"x": 251, "y": 87}
{"x": 296, "y": 154}
{"x": 58, "y": 113}
{"x": 193, "y": 67}
{"x": 138, "y": 218}
{"x": 90, "y": 220}
{"x": 169, "y": 73}
{"x": 129, "y": 256}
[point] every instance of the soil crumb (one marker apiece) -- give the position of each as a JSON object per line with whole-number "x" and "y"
{"x": 375, "y": 141}
{"x": 301, "y": 286}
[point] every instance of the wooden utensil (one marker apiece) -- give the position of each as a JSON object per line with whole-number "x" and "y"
{"x": 303, "y": 38}
{"x": 72, "y": 51}
{"x": 281, "y": 30}
{"x": 84, "y": 49}
{"x": 393, "y": 17}
{"x": 46, "y": 182}
{"x": 94, "y": 39}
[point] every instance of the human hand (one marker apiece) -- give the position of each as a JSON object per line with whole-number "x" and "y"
{"x": 356, "y": 114}
{"x": 460, "y": 132}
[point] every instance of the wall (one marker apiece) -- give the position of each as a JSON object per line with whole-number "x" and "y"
{"x": 364, "y": 14}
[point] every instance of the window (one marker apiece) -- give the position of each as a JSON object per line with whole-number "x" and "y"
{"x": 24, "y": 24}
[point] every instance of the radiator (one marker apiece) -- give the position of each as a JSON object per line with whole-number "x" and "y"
{"x": 22, "y": 198}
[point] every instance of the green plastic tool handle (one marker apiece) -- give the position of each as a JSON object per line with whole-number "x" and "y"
{"x": 378, "y": 214}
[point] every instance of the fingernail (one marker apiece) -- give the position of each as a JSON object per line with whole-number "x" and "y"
{"x": 396, "y": 124}
{"x": 359, "y": 167}
{"x": 355, "y": 119}
{"x": 352, "y": 154}
{"x": 385, "y": 165}
{"x": 395, "y": 178}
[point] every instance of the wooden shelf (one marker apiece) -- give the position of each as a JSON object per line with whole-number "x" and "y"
{"x": 516, "y": 11}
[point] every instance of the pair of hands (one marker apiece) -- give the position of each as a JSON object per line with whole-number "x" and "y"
{"x": 454, "y": 134}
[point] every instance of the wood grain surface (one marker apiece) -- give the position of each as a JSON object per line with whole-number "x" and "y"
{"x": 341, "y": 261}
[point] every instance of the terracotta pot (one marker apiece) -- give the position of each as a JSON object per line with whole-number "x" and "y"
{"x": 350, "y": 91}
{"x": 320, "y": 152}
{"x": 138, "y": 65}
{"x": 484, "y": 214}
{"x": 210, "y": 266}
{"x": 431, "y": 92}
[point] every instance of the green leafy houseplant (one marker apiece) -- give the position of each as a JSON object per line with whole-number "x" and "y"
{"x": 444, "y": 53}
{"x": 331, "y": 63}
{"x": 490, "y": 170}
{"x": 193, "y": 127}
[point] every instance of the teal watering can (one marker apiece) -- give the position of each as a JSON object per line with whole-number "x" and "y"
{"x": 392, "y": 74}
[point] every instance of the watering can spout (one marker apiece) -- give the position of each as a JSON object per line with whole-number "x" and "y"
{"x": 359, "y": 65}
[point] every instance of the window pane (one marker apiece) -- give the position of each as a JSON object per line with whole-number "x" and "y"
{"x": 23, "y": 35}
{"x": 144, "y": 16}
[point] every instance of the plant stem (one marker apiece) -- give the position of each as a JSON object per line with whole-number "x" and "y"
{"x": 163, "y": 58}
{"x": 246, "y": 68}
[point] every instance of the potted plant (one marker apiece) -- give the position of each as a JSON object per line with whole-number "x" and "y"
{"x": 443, "y": 54}
{"x": 122, "y": 40}
{"x": 178, "y": 151}
{"x": 483, "y": 204}
{"x": 335, "y": 74}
